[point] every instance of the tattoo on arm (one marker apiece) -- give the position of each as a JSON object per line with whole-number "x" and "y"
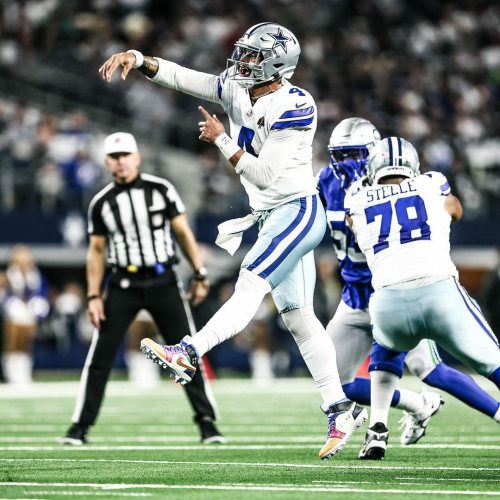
{"x": 149, "y": 66}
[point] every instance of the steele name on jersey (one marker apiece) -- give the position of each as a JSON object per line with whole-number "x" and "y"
{"x": 406, "y": 237}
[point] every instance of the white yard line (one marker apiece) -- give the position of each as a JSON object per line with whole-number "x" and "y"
{"x": 317, "y": 438}
{"x": 85, "y": 493}
{"x": 230, "y": 447}
{"x": 225, "y": 387}
{"x": 172, "y": 428}
{"x": 159, "y": 448}
{"x": 446, "y": 479}
{"x": 244, "y": 464}
{"x": 258, "y": 488}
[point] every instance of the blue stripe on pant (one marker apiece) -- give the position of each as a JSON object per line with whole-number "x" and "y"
{"x": 279, "y": 238}
{"x": 283, "y": 254}
{"x": 440, "y": 312}
{"x": 475, "y": 311}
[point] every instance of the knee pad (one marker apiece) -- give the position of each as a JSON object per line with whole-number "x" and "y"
{"x": 388, "y": 361}
{"x": 301, "y": 323}
{"x": 249, "y": 282}
{"x": 423, "y": 359}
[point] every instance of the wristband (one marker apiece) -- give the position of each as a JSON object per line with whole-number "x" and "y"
{"x": 92, "y": 297}
{"x": 226, "y": 145}
{"x": 139, "y": 58}
{"x": 200, "y": 274}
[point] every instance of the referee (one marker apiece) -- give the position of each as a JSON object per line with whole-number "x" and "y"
{"x": 136, "y": 214}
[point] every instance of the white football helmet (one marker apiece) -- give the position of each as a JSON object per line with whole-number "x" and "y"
{"x": 266, "y": 52}
{"x": 393, "y": 156}
{"x": 353, "y": 134}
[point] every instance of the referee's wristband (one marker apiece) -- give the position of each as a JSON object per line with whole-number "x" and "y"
{"x": 226, "y": 145}
{"x": 200, "y": 274}
{"x": 139, "y": 58}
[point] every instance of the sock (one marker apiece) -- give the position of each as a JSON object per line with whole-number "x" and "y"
{"x": 17, "y": 366}
{"x": 318, "y": 352}
{"x": 234, "y": 315}
{"x": 360, "y": 391}
{"x": 410, "y": 401}
{"x": 260, "y": 362}
{"x": 462, "y": 386}
{"x": 496, "y": 417}
{"x": 495, "y": 377}
{"x": 383, "y": 387}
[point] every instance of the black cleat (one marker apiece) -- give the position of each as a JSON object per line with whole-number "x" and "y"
{"x": 77, "y": 435}
{"x": 208, "y": 431}
{"x": 375, "y": 442}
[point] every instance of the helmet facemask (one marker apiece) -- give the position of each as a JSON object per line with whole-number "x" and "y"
{"x": 343, "y": 153}
{"x": 246, "y": 65}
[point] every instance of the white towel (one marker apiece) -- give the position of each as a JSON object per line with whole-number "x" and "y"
{"x": 231, "y": 232}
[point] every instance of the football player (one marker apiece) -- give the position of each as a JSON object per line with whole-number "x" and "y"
{"x": 349, "y": 147}
{"x": 270, "y": 146}
{"x": 402, "y": 224}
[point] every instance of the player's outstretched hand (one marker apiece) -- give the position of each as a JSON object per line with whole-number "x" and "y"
{"x": 210, "y": 129}
{"x": 124, "y": 59}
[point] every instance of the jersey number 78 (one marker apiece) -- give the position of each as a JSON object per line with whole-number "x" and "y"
{"x": 411, "y": 215}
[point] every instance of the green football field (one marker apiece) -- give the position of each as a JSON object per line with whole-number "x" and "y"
{"x": 145, "y": 445}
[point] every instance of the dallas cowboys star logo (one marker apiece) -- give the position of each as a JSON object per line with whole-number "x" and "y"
{"x": 279, "y": 39}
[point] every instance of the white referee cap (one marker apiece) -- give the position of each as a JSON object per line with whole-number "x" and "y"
{"x": 120, "y": 142}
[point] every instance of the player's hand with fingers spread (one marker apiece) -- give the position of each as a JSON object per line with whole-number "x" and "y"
{"x": 211, "y": 128}
{"x": 124, "y": 59}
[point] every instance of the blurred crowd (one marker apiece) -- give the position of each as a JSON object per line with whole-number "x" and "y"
{"x": 428, "y": 71}
{"x": 46, "y": 162}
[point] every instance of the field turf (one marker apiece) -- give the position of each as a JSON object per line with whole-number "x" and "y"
{"x": 145, "y": 445}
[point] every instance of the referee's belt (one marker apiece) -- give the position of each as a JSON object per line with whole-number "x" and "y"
{"x": 157, "y": 270}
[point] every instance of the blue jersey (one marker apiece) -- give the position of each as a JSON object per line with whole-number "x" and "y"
{"x": 356, "y": 276}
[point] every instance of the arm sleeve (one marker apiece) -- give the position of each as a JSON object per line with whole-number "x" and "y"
{"x": 319, "y": 186}
{"x": 440, "y": 181}
{"x": 96, "y": 225}
{"x": 175, "y": 206}
{"x": 274, "y": 157}
{"x": 195, "y": 83}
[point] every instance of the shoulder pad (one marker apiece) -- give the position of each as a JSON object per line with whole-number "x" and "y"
{"x": 295, "y": 108}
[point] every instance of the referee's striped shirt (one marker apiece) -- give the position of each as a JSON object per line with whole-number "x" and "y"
{"x": 136, "y": 217}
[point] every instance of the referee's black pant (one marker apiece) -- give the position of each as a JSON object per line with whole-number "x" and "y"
{"x": 127, "y": 294}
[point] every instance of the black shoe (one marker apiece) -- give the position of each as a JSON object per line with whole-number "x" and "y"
{"x": 375, "y": 442}
{"x": 77, "y": 435}
{"x": 208, "y": 431}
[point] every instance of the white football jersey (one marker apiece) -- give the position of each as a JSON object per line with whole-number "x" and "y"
{"x": 403, "y": 229}
{"x": 288, "y": 109}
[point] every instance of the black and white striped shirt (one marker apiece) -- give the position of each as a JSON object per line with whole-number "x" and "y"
{"x": 136, "y": 217}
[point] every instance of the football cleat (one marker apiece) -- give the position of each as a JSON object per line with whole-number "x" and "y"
{"x": 375, "y": 442}
{"x": 343, "y": 419}
{"x": 180, "y": 360}
{"x": 208, "y": 431}
{"x": 416, "y": 423}
{"x": 77, "y": 435}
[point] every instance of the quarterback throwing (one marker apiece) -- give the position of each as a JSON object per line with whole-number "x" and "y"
{"x": 270, "y": 146}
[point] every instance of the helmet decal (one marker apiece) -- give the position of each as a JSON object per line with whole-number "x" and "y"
{"x": 280, "y": 39}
